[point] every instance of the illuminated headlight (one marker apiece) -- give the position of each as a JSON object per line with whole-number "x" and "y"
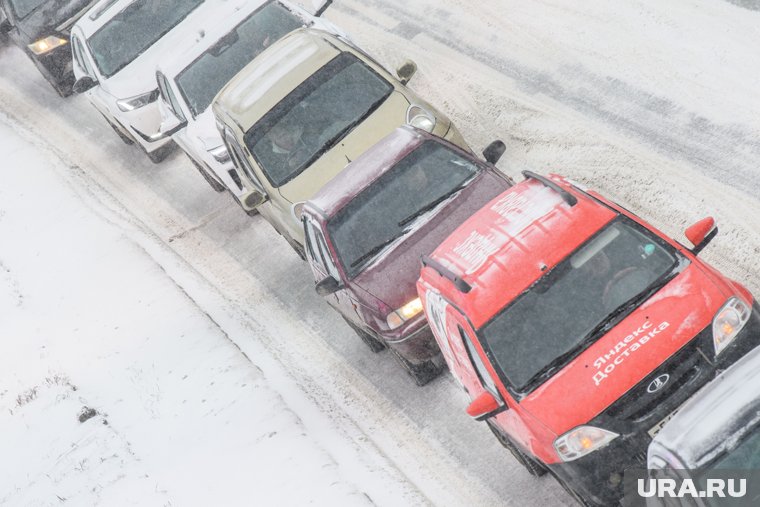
{"x": 137, "y": 102}
{"x": 420, "y": 118}
{"x": 728, "y": 322}
{"x": 220, "y": 154}
{"x": 47, "y": 44}
{"x": 406, "y": 312}
{"x": 581, "y": 441}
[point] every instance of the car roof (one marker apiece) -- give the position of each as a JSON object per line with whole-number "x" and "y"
{"x": 360, "y": 173}
{"x": 276, "y": 72}
{"x": 221, "y": 27}
{"x": 713, "y": 419}
{"x": 512, "y": 241}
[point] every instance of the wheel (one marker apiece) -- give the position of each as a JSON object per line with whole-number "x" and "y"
{"x": 533, "y": 467}
{"x": 421, "y": 373}
{"x": 206, "y": 176}
{"x": 127, "y": 140}
{"x": 373, "y": 343}
{"x": 250, "y": 212}
{"x": 160, "y": 154}
{"x": 576, "y": 496}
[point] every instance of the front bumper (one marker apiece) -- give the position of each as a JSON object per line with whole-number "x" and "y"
{"x": 415, "y": 342}
{"x": 598, "y": 475}
{"x": 57, "y": 67}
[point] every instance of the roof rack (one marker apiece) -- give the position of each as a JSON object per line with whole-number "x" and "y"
{"x": 569, "y": 198}
{"x": 460, "y": 284}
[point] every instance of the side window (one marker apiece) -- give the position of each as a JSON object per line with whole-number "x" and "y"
{"x": 477, "y": 362}
{"x": 239, "y": 160}
{"x": 325, "y": 253}
{"x": 312, "y": 248}
{"x": 80, "y": 58}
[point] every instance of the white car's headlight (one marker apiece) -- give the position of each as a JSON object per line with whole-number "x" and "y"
{"x": 220, "y": 154}
{"x": 581, "y": 441}
{"x": 137, "y": 102}
{"x": 46, "y": 45}
{"x": 419, "y": 117}
{"x": 728, "y": 322}
{"x": 406, "y": 312}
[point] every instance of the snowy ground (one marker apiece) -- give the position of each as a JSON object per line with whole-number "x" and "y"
{"x": 653, "y": 103}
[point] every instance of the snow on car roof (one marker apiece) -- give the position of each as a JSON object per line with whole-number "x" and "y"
{"x": 512, "y": 241}
{"x": 264, "y": 82}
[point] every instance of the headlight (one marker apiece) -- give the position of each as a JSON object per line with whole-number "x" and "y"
{"x": 728, "y": 322}
{"x": 420, "y": 118}
{"x": 581, "y": 441}
{"x": 137, "y": 102}
{"x": 406, "y": 312}
{"x": 221, "y": 154}
{"x": 47, "y": 44}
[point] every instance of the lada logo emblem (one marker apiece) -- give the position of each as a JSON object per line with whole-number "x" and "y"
{"x": 658, "y": 383}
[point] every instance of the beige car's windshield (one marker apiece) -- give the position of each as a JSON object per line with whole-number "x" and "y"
{"x": 315, "y": 116}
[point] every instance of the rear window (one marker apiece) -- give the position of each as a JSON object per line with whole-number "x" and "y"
{"x": 201, "y": 80}
{"x": 560, "y": 315}
{"x": 132, "y": 31}
{"x": 315, "y": 116}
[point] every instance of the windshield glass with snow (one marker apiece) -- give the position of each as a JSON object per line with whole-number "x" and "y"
{"x": 22, "y": 8}
{"x": 387, "y": 208}
{"x": 315, "y": 116}
{"x": 559, "y": 316}
{"x": 132, "y": 31}
{"x": 201, "y": 81}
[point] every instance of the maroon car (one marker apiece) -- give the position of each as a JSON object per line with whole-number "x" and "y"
{"x": 367, "y": 229}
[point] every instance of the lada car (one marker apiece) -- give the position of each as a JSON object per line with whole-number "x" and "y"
{"x": 366, "y": 229}
{"x": 717, "y": 430}
{"x": 577, "y": 328}
{"x": 189, "y": 81}
{"x": 304, "y": 109}
{"x": 41, "y": 28}
{"x": 117, "y": 47}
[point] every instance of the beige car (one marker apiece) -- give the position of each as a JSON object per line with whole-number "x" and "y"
{"x": 306, "y": 107}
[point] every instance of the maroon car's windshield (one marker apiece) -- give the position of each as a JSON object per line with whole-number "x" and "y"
{"x": 388, "y": 208}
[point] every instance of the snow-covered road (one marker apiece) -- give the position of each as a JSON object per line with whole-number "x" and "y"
{"x": 652, "y": 103}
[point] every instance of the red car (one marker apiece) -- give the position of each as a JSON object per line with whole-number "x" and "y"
{"x": 368, "y": 227}
{"x": 578, "y": 329}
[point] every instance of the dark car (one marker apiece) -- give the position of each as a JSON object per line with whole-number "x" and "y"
{"x": 367, "y": 229}
{"x": 41, "y": 29}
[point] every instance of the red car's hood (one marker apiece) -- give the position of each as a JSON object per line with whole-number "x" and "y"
{"x": 392, "y": 279}
{"x": 594, "y": 380}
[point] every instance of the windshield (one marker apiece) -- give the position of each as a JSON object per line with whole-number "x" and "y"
{"x": 558, "y": 314}
{"x": 201, "y": 81}
{"x": 315, "y": 116}
{"x": 22, "y": 8}
{"x": 378, "y": 214}
{"x": 745, "y": 456}
{"x": 135, "y": 29}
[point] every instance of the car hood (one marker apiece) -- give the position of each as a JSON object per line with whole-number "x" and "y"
{"x": 52, "y": 18}
{"x": 663, "y": 324}
{"x": 391, "y": 114}
{"x": 392, "y": 277}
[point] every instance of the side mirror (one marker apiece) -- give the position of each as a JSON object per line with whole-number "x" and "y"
{"x": 327, "y": 286}
{"x": 255, "y": 199}
{"x": 320, "y": 6}
{"x": 701, "y": 233}
{"x": 485, "y": 406}
{"x": 83, "y": 84}
{"x": 494, "y": 151}
{"x": 406, "y": 71}
{"x": 171, "y": 125}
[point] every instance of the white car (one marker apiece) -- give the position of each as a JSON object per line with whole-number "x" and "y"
{"x": 189, "y": 82}
{"x": 117, "y": 46}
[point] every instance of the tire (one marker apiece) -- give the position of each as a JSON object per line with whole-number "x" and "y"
{"x": 576, "y": 496}
{"x": 160, "y": 154}
{"x": 370, "y": 341}
{"x": 533, "y": 467}
{"x": 128, "y": 141}
{"x": 250, "y": 212}
{"x": 421, "y": 373}
{"x": 218, "y": 187}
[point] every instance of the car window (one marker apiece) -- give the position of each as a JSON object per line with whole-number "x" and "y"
{"x": 22, "y": 8}
{"x": 240, "y": 161}
{"x": 554, "y": 320}
{"x": 132, "y": 31}
{"x": 315, "y": 116}
{"x": 201, "y": 80}
{"x": 477, "y": 362}
{"x": 312, "y": 248}
{"x": 168, "y": 96}
{"x": 388, "y": 207}
{"x": 79, "y": 56}
{"x": 325, "y": 253}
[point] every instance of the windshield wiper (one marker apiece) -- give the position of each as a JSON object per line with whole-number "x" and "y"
{"x": 433, "y": 204}
{"x": 376, "y": 249}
